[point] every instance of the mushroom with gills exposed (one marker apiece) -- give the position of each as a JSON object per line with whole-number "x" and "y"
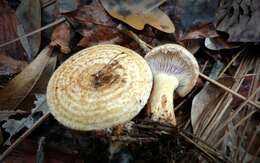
{"x": 174, "y": 69}
{"x": 99, "y": 87}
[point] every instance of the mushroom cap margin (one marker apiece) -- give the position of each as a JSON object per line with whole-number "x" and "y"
{"x": 173, "y": 59}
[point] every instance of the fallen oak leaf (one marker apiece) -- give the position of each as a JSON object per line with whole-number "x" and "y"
{"x": 40, "y": 104}
{"x": 139, "y": 13}
{"x": 13, "y": 126}
{"x": 19, "y": 87}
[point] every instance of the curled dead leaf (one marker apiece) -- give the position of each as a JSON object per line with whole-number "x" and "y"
{"x": 61, "y": 37}
{"x": 19, "y": 87}
{"x": 41, "y": 85}
{"x": 139, "y": 13}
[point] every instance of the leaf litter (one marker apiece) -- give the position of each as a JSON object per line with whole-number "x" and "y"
{"x": 13, "y": 126}
{"x": 88, "y": 23}
{"x": 19, "y": 87}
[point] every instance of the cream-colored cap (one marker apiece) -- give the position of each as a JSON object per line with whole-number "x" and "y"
{"x": 175, "y": 60}
{"x": 99, "y": 87}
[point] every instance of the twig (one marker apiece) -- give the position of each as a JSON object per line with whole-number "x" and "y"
{"x": 238, "y": 145}
{"x": 230, "y": 91}
{"x": 134, "y": 139}
{"x": 225, "y": 123}
{"x": 230, "y": 63}
{"x": 34, "y": 32}
{"x": 235, "y": 127}
{"x": 249, "y": 145}
{"x": 146, "y": 47}
{"x": 255, "y": 155}
{"x": 21, "y": 138}
{"x": 198, "y": 147}
{"x": 169, "y": 130}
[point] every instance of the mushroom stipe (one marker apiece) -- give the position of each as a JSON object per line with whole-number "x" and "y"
{"x": 174, "y": 69}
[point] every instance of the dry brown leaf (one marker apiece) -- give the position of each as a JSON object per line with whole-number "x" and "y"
{"x": 139, "y": 13}
{"x": 29, "y": 17}
{"x": 240, "y": 19}
{"x": 192, "y": 45}
{"x": 97, "y": 27}
{"x": 204, "y": 102}
{"x": 193, "y": 19}
{"x": 19, "y": 87}
{"x": 100, "y": 35}
{"x": 8, "y": 25}
{"x": 61, "y": 37}
{"x": 9, "y": 66}
{"x": 41, "y": 85}
{"x": 88, "y": 16}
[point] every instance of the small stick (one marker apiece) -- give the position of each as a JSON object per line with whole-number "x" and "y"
{"x": 34, "y": 32}
{"x": 235, "y": 127}
{"x": 230, "y": 90}
{"x": 227, "y": 121}
{"x": 230, "y": 63}
{"x": 21, "y": 138}
{"x": 146, "y": 47}
{"x": 198, "y": 147}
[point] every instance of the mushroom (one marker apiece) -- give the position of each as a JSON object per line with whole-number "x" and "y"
{"x": 99, "y": 87}
{"x": 174, "y": 69}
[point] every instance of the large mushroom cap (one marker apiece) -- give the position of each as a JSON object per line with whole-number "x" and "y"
{"x": 175, "y": 60}
{"x": 99, "y": 87}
